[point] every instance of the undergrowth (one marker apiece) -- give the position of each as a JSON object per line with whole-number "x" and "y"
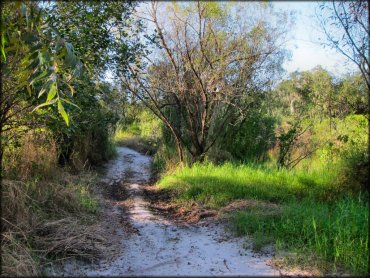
{"x": 215, "y": 186}
{"x": 336, "y": 234}
{"x": 144, "y": 145}
{"x": 326, "y": 226}
{"x": 48, "y": 213}
{"x": 48, "y": 220}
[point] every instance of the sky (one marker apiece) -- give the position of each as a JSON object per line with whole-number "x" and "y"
{"x": 307, "y": 52}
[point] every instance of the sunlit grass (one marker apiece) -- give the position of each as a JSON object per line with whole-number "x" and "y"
{"x": 121, "y": 135}
{"x": 130, "y": 139}
{"x": 314, "y": 220}
{"x": 215, "y": 186}
{"x": 335, "y": 233}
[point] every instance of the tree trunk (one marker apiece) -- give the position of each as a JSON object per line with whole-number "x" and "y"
{"x": 179, "y": 149}
{"x": 199, "y": 153}
{"x": 65, "y": 149}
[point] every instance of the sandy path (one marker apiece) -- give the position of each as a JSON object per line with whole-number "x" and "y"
{"x": 160, "y": 247}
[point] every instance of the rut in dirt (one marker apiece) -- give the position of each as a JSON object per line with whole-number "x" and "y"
{"x": 160, "y": 247}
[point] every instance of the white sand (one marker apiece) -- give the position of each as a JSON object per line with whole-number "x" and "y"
{"x": 164, "y": 248}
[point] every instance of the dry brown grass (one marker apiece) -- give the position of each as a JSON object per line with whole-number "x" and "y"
{"x": 17, "y": 258}
{"x": 47, "y": 212}
{"x": 17, "y": 222}
{"x": 15, "y": 207}
{"x": 34, "y": 155}
{"x": 245, "y": 204}
{"x": 67, "y": 237}
{"x": 46, "y": 220}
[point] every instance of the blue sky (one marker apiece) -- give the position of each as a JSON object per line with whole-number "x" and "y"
{"x": 306, "y": 49}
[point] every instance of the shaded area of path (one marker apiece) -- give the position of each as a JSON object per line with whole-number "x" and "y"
{"x": 156, "y": 246}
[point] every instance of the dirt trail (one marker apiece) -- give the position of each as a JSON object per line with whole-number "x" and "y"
{"x": 160, "y": 247}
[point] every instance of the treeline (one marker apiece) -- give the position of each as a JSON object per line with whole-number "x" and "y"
{"x": 311, "y": 119}
{"x": 214, "y": 87}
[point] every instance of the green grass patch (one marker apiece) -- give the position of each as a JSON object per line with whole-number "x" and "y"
{"x": 315, "y": 219}
{"x": 215, "y": 186}
{"x": 335, "y": 233}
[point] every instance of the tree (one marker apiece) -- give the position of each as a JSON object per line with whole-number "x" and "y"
{"x": 346, "y": 28}
{"x": 44, "y": 49}
{"x": 210, "y": 64}
{"x": 300, "y": 101}
{"x": 351, "y": 95}
{"x": 38, "y": 66}
{"x": 104, "y": 33}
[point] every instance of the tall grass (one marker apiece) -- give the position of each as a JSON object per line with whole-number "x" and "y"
{"x": 335, "y": 233}
{"x": 215, "y": 186}
{"x": 32, "y": 156}
{"x": 46, "y": 219}
{"x": 46, "y": 211}
{"x": 315, "y": 217}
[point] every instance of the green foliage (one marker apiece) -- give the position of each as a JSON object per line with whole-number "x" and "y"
{"x": 44, "y": 46}
{"x": 288, "y": 143}
{"x": 321, "y": 106}
{"x": 89, "y": 202}
{"x": 139, "y": 130}
{"x": 297, "y": 210}
{"x": 306, "y": 93}
{"x": 140, "y": 121}
{"x": 352, "y": 96}
{"x": 215, "y": 10}
{"x": 318, "y": 95}
{"x": 344, "y": 147}
{"x": 46, "y": 63}
{"x": 348, "y": 136}
{"x": 108, "y": 37}
{"x": 334, "y": 233}
{"x": 252, "y": 139}
{"x": 165, "y": 158}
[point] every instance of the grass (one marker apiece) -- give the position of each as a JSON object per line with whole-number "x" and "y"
{"x": 144, "y": 145}
{"x": 325, "y": 228}
{"x": 44, "y": 220}
{"x": 336, "y": 234}
{"x": 215, "y": 186}
{"x": 48, "y": 213}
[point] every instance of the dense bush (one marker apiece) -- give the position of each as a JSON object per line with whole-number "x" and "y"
{"x": 250, "y": 140}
